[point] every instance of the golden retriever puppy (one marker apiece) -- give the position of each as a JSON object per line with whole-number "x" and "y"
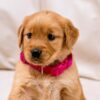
{"x": 46, "y": 70}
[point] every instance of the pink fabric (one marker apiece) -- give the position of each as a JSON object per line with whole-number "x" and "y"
{"x": 53, "y": 70}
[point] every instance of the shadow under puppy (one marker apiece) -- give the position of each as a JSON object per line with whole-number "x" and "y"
{"x": 46, "y": 70}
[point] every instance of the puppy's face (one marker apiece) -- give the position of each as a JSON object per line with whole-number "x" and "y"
{"x": 46, "y": 38}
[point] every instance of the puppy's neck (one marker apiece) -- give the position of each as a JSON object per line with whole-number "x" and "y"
{"x": 53, "y": 70}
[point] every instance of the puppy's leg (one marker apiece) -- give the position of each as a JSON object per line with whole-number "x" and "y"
{"x": 22, "y": 93}
{"x": 67, "y": 96}
{"x": 71, "y": 93}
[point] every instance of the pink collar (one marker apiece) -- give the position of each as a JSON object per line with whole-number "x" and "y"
{"x": 54, "y": 70}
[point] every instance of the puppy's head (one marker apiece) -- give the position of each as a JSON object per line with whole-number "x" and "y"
{"x": 46, "y": 38}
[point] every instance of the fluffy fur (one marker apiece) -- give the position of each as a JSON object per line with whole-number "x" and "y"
{"x": 30, "y": 84}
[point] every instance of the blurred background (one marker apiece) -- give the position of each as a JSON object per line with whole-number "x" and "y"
{"x": 85, "y": 15}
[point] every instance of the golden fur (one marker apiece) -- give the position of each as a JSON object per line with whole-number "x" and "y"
{"x": 30, "y": 84}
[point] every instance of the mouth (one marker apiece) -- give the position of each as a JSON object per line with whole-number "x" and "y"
{"x": 36, "y": 62}
{"x": 43, "y": 63}
{"x": 39, "y": 62}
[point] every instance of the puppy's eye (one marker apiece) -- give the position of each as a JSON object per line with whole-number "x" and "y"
{"x": 29, "y": 35}
{"x": 51, "y": 37}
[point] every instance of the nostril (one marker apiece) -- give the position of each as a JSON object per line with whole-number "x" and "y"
{"x": 36, "y": 53}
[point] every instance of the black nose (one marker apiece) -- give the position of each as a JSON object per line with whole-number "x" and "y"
{"x": 36, "y": 53}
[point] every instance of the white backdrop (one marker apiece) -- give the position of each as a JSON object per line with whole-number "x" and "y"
{"x": 12, "y": 13}
{"x": 85, "y": 14}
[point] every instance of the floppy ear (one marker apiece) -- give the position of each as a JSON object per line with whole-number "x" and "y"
{"x": 20, "y": 35}
{"x": 71, "y": 34}
{"x": 21, "y": 31}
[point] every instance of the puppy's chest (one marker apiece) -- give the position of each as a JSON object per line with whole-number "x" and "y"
{"x": 45, "y": 88}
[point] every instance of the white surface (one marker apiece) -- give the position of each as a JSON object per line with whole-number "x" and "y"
{"x": 6, "y": 79}
{"x": 91, "y": 88}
